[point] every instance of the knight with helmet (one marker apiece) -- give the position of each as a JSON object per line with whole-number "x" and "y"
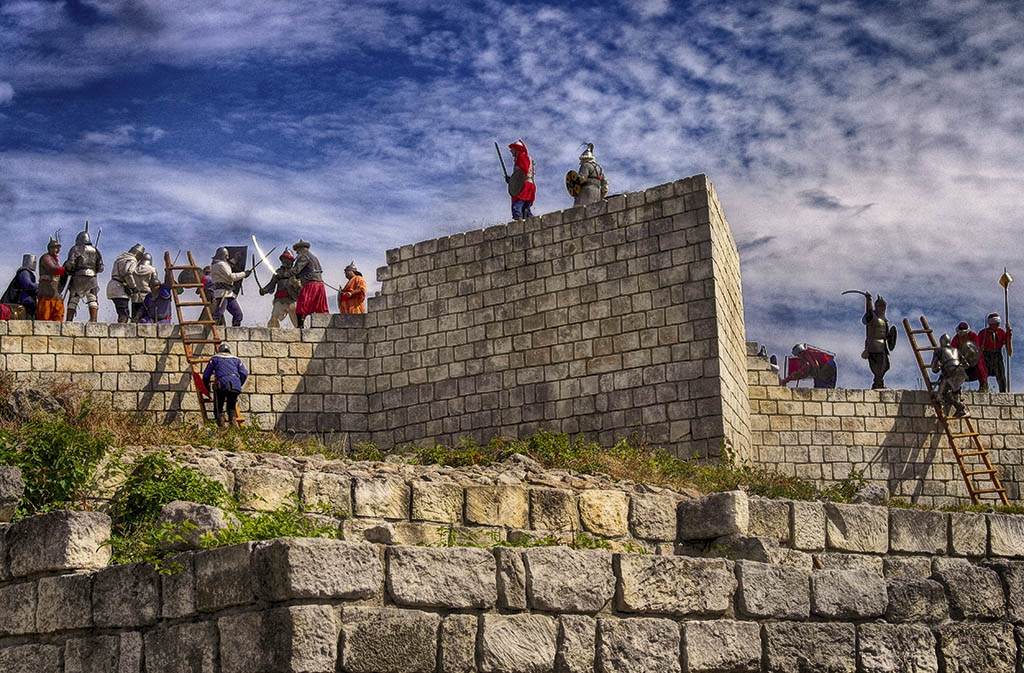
{"x": 84, "y": 264}
{"x": 879, "y": 339}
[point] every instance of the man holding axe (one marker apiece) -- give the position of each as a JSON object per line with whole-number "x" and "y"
{"x": 879, "y": 338}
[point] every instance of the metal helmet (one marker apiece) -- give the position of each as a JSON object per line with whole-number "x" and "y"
{"x": 588, "y": 154}
{"x": 994, "y": 319}
{"x": 83, "y": 238}
{"x": 221, "y": 254}
{"x": 28, "y": 261}
{"x": 147, "y": 258}
{"x": 224, "y": 348}
{"x": 944, "y": 340}
{"x": 54, "y": 242}
{"x": 799, "y": 348}
{"x": 138, "y": 250}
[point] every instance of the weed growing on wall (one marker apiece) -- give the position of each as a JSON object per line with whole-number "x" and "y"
{"x": 155, "y": 480}
{"x": 58, "y": 458}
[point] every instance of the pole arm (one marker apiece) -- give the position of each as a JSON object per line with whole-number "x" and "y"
{"x": 504, "y": 171}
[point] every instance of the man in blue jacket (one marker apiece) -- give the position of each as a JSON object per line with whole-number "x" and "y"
{"x": 224, "y": 375}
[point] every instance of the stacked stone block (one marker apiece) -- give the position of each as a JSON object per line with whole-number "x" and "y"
{"x": 320, "y": 605}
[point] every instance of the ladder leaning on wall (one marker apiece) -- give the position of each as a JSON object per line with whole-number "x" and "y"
{"x": 196, "y": 335}
{"x": 971, "y": 456}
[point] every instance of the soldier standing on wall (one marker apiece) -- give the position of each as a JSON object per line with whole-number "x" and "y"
{"x": 313, "y": 296}
{"x": 352, "y": 296}
{"x": 146, "y": 280}
{"x": 121, "y": 285}
{"x": 879, "y": 339}
{"x": 286, "y": 291}
{"x": 23, "y": 288}
{"x": 223, "y": 279}
{"x": 51, "y": 282}
{"x": 588, "y": 185}
{"x": 946, "y": 361}
{"x": 521, "y": 186}
{"x": 84, "y": 263}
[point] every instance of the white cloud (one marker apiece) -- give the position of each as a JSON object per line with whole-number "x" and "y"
{"x": 6, "y": 92}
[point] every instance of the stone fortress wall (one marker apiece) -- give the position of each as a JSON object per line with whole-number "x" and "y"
{"x": 621, "y": 315}
{"x": 891, "y": 437}
{"x": 724, "y": 582}
{"x": 618, "y": 317}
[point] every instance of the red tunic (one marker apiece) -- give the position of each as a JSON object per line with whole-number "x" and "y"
{"x": 992, "y": 339}
{"x": 529, "y": 190}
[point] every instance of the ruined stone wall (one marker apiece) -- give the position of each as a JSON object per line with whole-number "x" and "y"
{"x": 753, "y": 585}
{"x": 620, "y": 316}
{"x": 891, "y": 437}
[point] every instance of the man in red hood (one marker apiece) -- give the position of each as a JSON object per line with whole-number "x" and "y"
{"x": 521, "y": 186}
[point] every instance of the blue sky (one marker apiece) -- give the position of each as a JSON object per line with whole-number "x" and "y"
{"x": 858, "y": 145}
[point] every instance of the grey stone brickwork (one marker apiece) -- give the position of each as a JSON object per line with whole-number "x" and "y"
{"x": 618, "y": 317}
{"x": 890, "y": 437}
{"x": 323, "y": 605}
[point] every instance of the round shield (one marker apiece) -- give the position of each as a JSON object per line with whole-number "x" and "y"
{"x": 515, "y": 183}
{"x": 890, "y": 337}
{"x": 573, "y": 183}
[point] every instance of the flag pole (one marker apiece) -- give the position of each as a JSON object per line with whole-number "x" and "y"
{"x": 1005, "y": 281}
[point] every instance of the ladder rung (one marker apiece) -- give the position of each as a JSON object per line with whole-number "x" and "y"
{"x": 971, "y": 473}
{"x": 191, "y": 303}
{"x": 989, "y": 490}
{"x": 190, "y": 340}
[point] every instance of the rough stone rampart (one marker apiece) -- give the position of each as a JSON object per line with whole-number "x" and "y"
{"x": 747, "y": 584}
{"x": 619, "y": 316}
{"x": 890, "y": 437}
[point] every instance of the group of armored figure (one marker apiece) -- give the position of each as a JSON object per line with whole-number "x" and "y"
{"x": 967, "y": 356}
{"x": 586, "y": 185}
{"x": 139, "y": 295}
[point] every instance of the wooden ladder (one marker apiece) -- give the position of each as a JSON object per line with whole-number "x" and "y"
{"x": 196, "y": 335}
{"x": 965, "y": 441}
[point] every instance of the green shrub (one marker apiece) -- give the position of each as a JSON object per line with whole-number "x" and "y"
{"x": 58, "y": 461}
{"x": 154, "y": 481}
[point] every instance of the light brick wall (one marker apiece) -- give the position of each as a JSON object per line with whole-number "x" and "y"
{"x": 622, "y": 316}
{"x": 890, "y": 436}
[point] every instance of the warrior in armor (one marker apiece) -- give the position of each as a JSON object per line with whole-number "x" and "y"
{"x": 23, "y": 287}
{"x": 812, "y": 363}
{"x": 146, "y": 280}
{"x": 121, "y": 286}
{"x": 352, "y": 296}
{"x": 51, "y": 284}
{"x": 593, "y": 184}
{"x": 991, "y": 341}
{"x": 224, "y": 375}
{"x": 521, "y": 186}
{"x": 286, "y": 290}
{"x": 84, "y": 263}
{"x": 967, "y": 342}
{"x": 223, "y": 280}
{"x": 877, "y": 340}
{"x": 946, "y": 361}
{"x": 307, "y": 269}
